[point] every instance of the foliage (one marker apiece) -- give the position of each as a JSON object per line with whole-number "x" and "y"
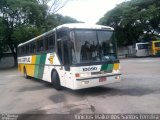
{"x": 21, "y": 20}
{"x": 2, "y": 43}
{"x": 54, "y": 20}
{"x": 131, "y": 19}
{"x": 53, "y": 5}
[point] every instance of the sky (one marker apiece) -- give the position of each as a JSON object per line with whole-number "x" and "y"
{"x": 89, "y": 11}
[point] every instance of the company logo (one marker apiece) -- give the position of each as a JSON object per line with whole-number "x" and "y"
{"x": 51, "y": 59}
{"x": 24, "y": 60}
{"x": 90, "y": 69}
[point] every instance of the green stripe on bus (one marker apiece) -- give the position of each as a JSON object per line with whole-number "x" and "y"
{"x": 104, "y": 67}
{"x": 37, "y": 66}
{"x": 42, "y": 65}
{"x": 107, "y": 67}
{"x": 110, "y": 67}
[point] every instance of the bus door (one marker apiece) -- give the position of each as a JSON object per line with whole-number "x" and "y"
{"x": 64, "y": 56}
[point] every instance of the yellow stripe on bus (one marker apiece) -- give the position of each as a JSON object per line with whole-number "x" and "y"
{"x": 116, "y": 66}
{"x": 33, "y": 59}
{"x": 31, "y": 67}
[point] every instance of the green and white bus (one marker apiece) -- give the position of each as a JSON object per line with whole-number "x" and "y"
{"x": 75, "y": 56}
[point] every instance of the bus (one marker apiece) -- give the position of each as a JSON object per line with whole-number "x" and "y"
{"x": 142, "y": 49}
{"x": 155, "y": 48}
{"x": 75, "y": 56}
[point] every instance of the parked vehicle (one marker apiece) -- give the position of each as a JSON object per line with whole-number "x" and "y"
{"x": 155, "y": 48}
{"x": 142, "y": 49}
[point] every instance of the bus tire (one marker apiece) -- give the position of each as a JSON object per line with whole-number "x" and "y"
{"x": 55, "y": 80}
{"x": 25, "y": 73}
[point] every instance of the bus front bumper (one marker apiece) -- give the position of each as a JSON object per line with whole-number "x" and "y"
{"x": 96, "y": 81}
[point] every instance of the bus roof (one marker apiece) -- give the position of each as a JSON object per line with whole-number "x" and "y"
{"x": 155, "y": 41}
{"x": 71, "y": 26}
{"x": 143, "y": 43}
{"x": 84, "y": 26}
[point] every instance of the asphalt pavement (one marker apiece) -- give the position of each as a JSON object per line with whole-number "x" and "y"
{"x": 138, "y": 92}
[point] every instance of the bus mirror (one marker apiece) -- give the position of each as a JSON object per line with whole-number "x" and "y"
{"x": 66, "y": 54}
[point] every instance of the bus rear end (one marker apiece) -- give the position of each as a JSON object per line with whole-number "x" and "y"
{"x": 141, "y": 49}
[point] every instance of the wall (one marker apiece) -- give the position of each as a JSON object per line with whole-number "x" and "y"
{"x": 127, "y": 51}
{"x": 6, "y": 62}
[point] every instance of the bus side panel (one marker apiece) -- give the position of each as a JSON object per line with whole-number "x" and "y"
{"x": 21, "y": 67}
{"x": 49, "y": 61}
{"x": 52, "y": 62}
{"x": 153, "y": 48}
{"x": 39, "y": 66}
{"x": 36, "y": 66}
{"x": 31, "y": 67}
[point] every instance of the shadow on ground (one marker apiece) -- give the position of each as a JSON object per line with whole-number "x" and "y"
{"x": 108, "y": 91}
{"x": 40, "y": 85}
{"x": 95, "y": 91}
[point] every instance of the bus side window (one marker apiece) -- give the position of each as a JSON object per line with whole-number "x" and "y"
{"x": 51, "y": 41}
{"x": 40, "y": 46}
{"x": 27, "y": 49}
{"x": 32, "y": 47}
{"x": 24, "y": 49}
{"x": 20, "y": 51}
{"x": 46, "y": 43}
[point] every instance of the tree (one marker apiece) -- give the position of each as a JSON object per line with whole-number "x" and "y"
{"x": 54, "y": 6}
{"x": 21, "y": 20}
{"x": 2, "y": 27}
{"x": 132, "y": 18}
{"x": 15, "y": 15}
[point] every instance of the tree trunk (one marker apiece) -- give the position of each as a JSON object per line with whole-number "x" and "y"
{"x": 14, "y": 53}
{"x": 15, "y": 60}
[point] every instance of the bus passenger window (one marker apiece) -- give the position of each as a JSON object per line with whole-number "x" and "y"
{"x": 20, "y": 51}
{"x": 51, "y": 42}
{"x": 32, "y": 47}
{"x": 27, "y": 49}
{"x": 46, "y": 43}
{"x": 24, "y": 49}
{"x": 40, "y": 45}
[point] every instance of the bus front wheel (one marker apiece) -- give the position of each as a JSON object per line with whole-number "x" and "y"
{"x": 55, "y": 80}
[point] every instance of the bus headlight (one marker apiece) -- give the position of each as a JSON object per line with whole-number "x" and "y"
{"x": 117, "y": 77}
{"x": 83, "y": 74}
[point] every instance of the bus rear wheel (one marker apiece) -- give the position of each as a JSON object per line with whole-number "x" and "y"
{"x": 56, "y": 81}
{"x": 25, "y": 73}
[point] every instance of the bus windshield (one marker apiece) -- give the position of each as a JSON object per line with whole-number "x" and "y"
{"x": 143, "y": 46}
{"x": 93, "y": 46}
{"x": 157, "y": 44}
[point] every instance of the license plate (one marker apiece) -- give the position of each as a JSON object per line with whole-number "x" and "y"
{"x": 102, "y": 79}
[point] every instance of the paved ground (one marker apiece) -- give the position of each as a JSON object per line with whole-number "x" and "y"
{"x": 139, "y": 92}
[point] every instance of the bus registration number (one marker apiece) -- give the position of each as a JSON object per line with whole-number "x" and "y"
{"x": 102, "y": 79}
